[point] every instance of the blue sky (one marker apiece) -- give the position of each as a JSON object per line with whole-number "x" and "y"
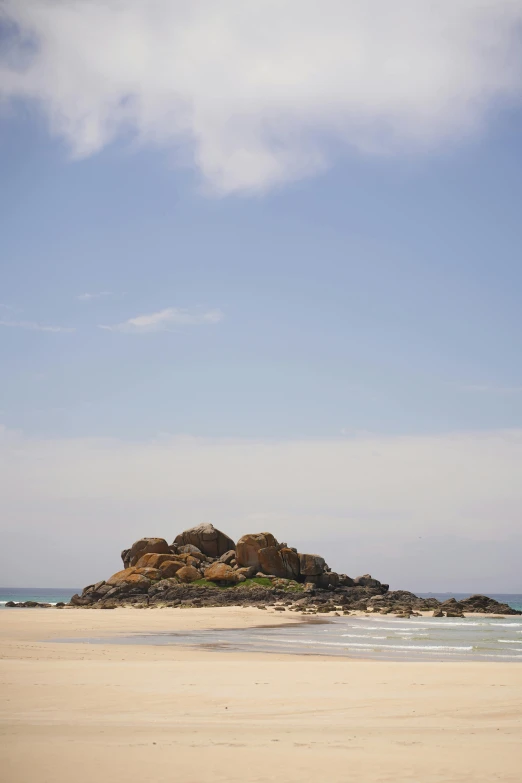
{"x": 279, "y": 256}
{"x": 381, "y": 296}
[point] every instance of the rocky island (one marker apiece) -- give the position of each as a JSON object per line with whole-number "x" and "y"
{"x": 205, "y": 567}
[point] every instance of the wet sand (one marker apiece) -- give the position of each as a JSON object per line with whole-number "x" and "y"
{"x": 82, "y": 712}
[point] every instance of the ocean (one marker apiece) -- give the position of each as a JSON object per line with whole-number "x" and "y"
{"x": 376, "y": 637}
{"x": 44, "y": 595}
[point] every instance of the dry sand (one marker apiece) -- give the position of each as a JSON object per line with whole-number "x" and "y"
{"x": 75, "y": 713}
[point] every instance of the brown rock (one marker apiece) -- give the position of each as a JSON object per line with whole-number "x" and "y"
{"x": 207, "y": 539}
{"x": 248, "y": 572}
{"x": 283, "y": 563}
{"x": 248, "y": 547}
{"x": 189, "y": 549}
{"x": 170, "y": 568}
{"x": 134, "y": 577}
{"x": 311, "y": 565}
{"x": 221, "y": 572}
{"x": 153, "y": 560}
{"x": 188, "y": 560}
{"x": 142, "y": 547}
{"x": 228, "y": 557}
{"x": 188, "y": 574}
{"x": 328, "y": 580}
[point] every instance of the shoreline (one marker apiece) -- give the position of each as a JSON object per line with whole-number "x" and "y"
{"x": 70, "y": 710}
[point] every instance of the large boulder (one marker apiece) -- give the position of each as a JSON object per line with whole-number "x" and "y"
{"x": 247, "y": 549}
{"x": 153, "y": 560}
{"x": 188, "y": 574}
{"x": 221, "y": 572}
{"x": 207, "y": 539}
{"x": 283, "y": 563}
{"x": 328, "y": 581}
{"x": 311, "y": 565}
{"x": 366, "y": 581}
{"x": 142, "y": 547}
{"x": 170, "y": 568}
{"x": 134, "y": 577}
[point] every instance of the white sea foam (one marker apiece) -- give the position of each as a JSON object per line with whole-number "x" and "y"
{"x": 438, "y": 648}
{"x": 361, "y": 636}
{"x": 507, "y": 625}
{"x": 509, "y": 641}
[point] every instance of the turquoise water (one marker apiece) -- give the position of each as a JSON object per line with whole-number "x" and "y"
{"x": 44, "y": 595}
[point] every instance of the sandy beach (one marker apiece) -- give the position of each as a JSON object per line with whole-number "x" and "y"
{"x": 78, "y": 712}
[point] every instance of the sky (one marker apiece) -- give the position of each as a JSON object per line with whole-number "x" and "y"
{"x": 260, "y": 265}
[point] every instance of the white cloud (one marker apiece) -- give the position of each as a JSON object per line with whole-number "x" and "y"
{"x": 165, "y": 320}
{"x": 258, "y": 93}
{"x": 439, "y": 512}
{"x": 88, "y": 297}
{"x": 36, "y": 327}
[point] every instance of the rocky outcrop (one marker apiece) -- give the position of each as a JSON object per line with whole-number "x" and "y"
{"x": 210, "y": 541}
{"x": 257, "y": 572}
{"x": 247, "y": 549}
{"x": 481, "y": 603}
{"x": 311, "y": 565}
{"x": 142, "y": 547}
{"x": 283, "y": 563}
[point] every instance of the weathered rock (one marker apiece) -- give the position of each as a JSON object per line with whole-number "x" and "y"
{"x": 76, "y": 600}
{"x": 142, "y": 547}
{"x": 454, "y": 613}
{"x": 228, "y": 557}
{"x": 207, "y": 539}
{"x": 248, "y": 572}
{"x": 247, "y": 549}
{"x": 170, "y": 568}
{"x": 346, "y": 581}
{"x": 134, "y": 577}
{"x": 482, "y": 603}
{"x": 221, "y": 572}
{"x": 311, "y": 565}
{"x": 283, "y": 563}
{"x": 438, "y": 613}
{"x": 329, "y": 580}
{"x": 188, "y": 574}
{"x": 366, "y": 581}
{"x": 153, "y": 560}
{"x": 189, "y": 549}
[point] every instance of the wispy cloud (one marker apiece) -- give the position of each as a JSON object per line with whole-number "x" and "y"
{"x": 36, "y": 327}
{"x": 165, "y": 320}
{"x": 274, "y": 91}
{"x": 491, "y": 389}
{"x": 97, "y": 295}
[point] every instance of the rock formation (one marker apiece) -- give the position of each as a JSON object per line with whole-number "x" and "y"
{"x": 209, "y": 541}
{"x": 204, "y": 567}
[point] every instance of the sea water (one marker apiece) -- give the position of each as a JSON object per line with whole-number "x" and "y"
{"x": 418, "y": 638}
{"x": 44, "y": 595}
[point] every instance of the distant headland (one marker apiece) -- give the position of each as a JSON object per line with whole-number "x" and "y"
{"x": 205, "y": 567}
